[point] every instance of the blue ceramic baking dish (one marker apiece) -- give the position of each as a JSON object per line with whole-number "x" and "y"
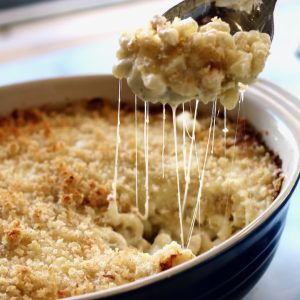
{"x": 231, "y": 269}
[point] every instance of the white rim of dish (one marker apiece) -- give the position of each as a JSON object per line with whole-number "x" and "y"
{"x": 289, "y": 105}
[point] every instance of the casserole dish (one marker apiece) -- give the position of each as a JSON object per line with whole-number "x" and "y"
{"x": 231, "y": 269}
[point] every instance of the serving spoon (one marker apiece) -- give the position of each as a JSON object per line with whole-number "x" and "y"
{"x": 260, "y": 18}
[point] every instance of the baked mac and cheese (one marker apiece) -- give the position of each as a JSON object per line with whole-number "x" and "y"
{"x": 59, "y": 233}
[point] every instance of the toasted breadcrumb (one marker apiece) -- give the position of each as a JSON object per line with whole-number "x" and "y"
{"x": 58, "y": 234}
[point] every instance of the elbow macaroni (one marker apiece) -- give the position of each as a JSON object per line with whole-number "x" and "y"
{"x": 178, "y": 61}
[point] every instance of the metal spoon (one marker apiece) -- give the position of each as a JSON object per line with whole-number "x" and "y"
{"x": 203, "y": 11}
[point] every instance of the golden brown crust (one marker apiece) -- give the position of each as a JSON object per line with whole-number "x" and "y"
{"x": 58, "y": 234}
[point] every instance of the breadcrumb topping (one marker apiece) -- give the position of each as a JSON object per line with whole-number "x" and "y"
{"x": 179, "y": 61}
{"x": 58, "y": 235}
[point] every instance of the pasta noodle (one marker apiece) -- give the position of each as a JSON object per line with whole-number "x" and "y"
{"x": 174, "y": 62}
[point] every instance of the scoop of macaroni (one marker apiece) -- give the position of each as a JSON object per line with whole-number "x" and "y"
{"x": 177, "y": 61}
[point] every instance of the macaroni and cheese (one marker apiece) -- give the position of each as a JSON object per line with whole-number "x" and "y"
{"x": 178, "y": 61}
{"x": 59, "y": 233}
